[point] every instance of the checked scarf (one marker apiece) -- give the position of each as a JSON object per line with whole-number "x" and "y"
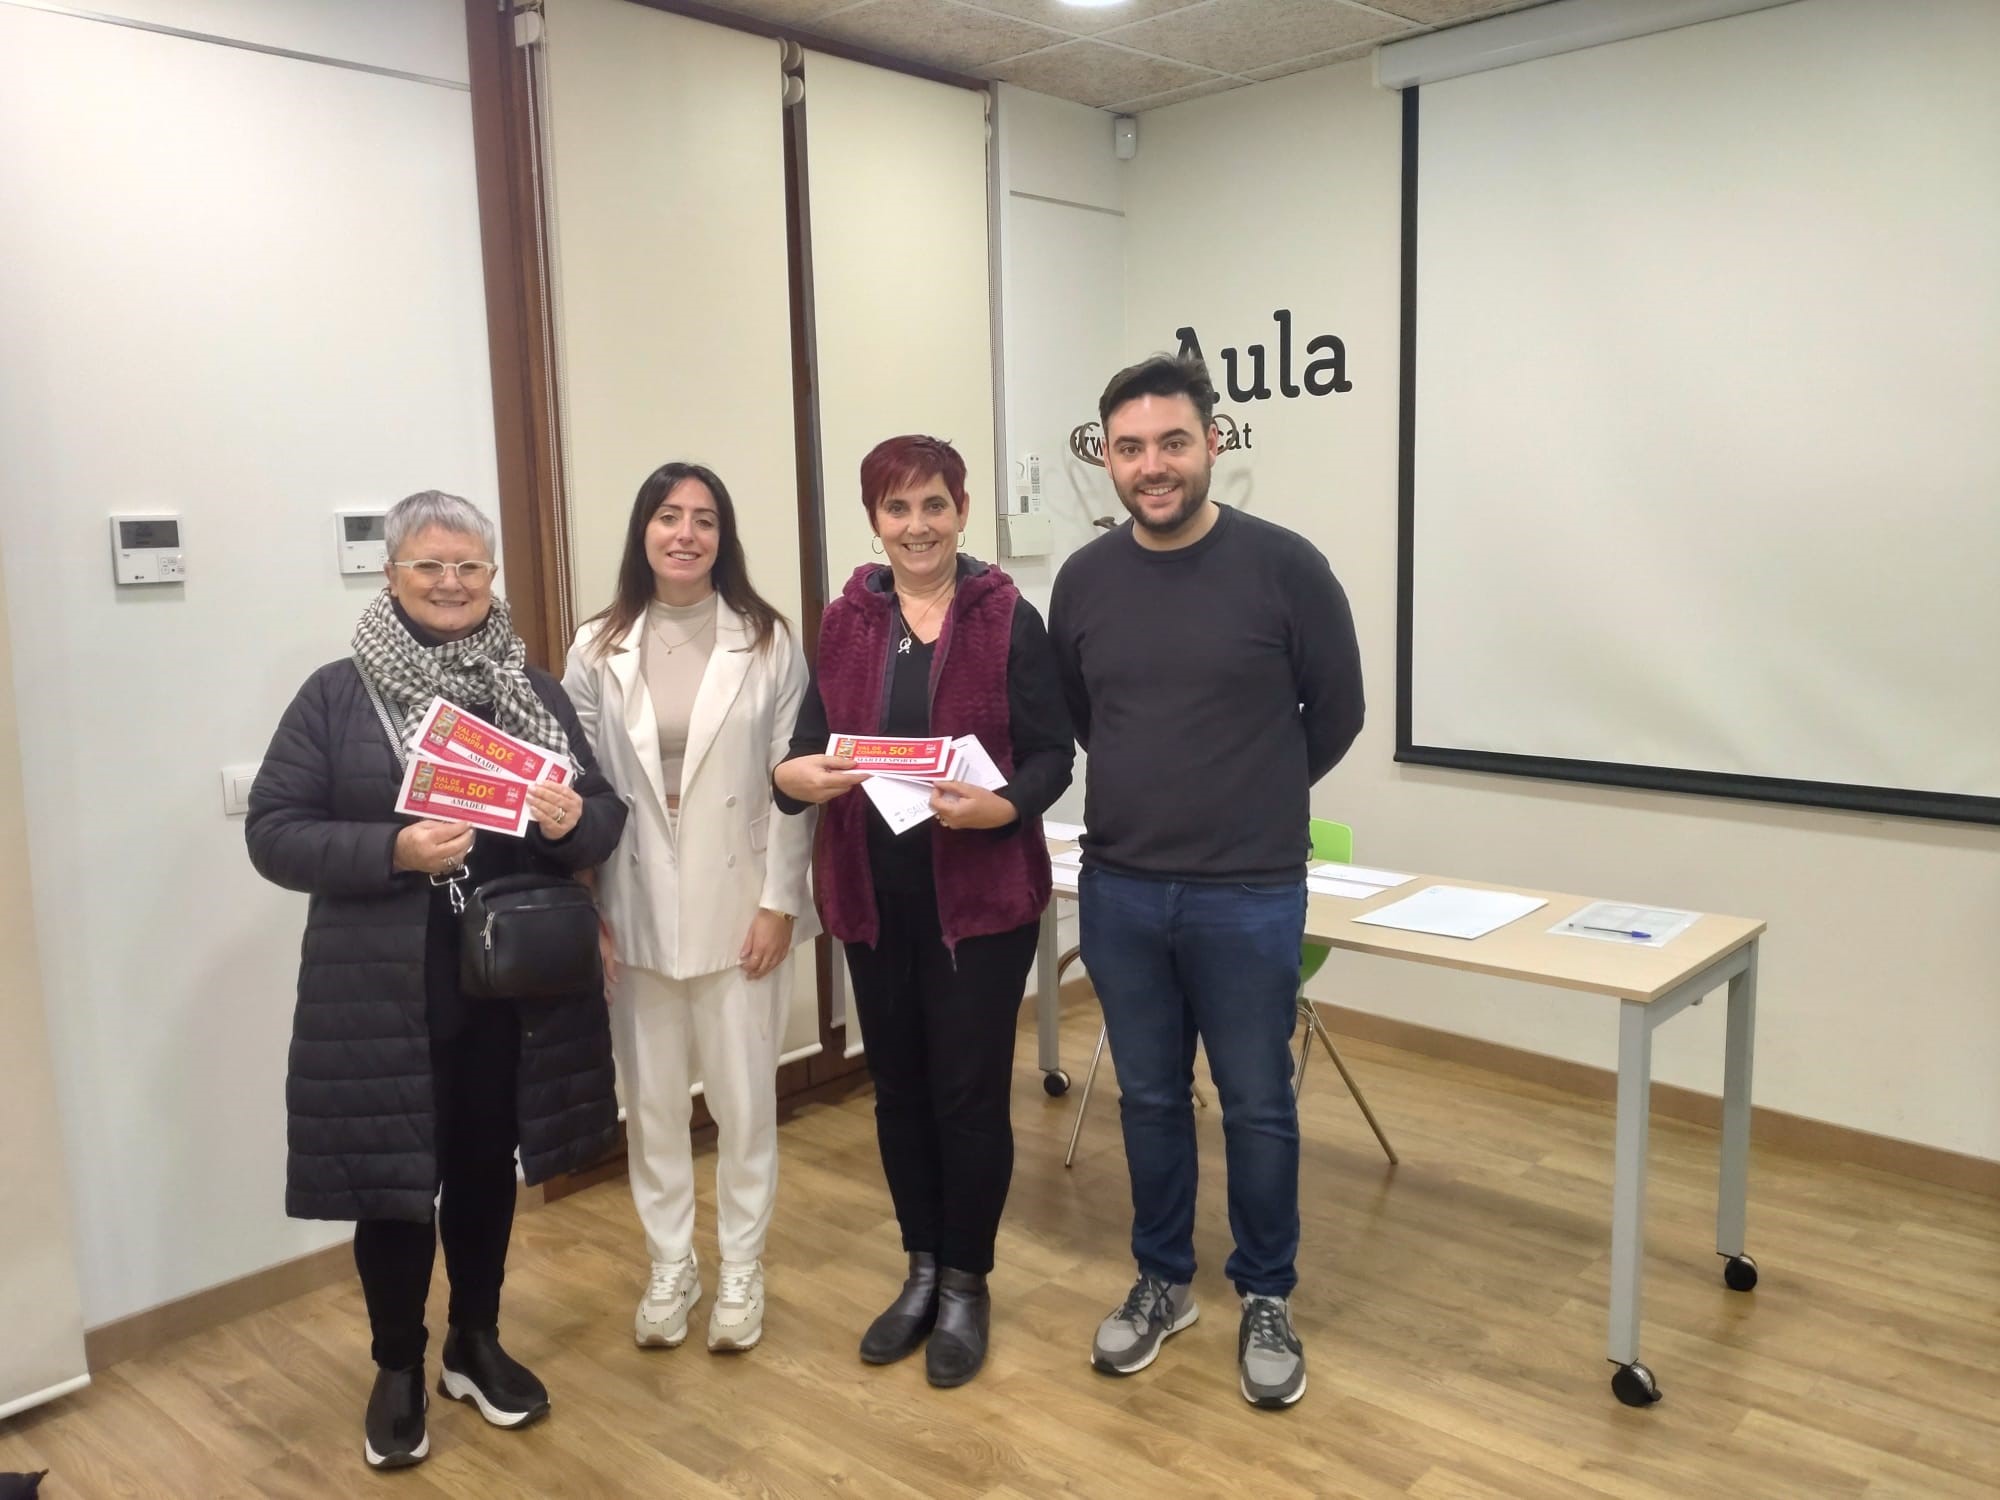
{"x": 488, "y": 666}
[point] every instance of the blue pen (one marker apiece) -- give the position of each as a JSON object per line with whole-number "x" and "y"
{"x": 1620, "y": 931}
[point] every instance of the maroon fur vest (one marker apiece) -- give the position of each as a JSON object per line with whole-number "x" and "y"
{"x": 988, "y": 880}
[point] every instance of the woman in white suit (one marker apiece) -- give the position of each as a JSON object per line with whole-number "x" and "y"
{"x": 688, "y": 685}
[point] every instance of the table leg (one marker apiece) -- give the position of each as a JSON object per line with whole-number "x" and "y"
{"x": 1633, "y": 1382}
{"x": 1048, "y": 1007}
{"x": 1733, "y": 1187}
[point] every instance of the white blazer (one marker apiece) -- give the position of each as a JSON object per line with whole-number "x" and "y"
{"x": 681, "y": 904}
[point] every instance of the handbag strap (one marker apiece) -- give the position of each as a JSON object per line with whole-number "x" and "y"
{"x": 382, "y": 716}
{"x": 450, "y": 879}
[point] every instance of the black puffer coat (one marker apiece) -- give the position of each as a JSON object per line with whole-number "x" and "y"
{"x": 358, "y": 1094}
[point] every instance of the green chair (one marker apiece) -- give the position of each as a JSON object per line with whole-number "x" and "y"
{"x": 1333, "y": 842}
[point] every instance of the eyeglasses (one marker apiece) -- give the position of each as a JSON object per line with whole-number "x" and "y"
{"x": 474, "y": 575}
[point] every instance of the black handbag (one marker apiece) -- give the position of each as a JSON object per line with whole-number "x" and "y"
{"x": 529, "y": 937}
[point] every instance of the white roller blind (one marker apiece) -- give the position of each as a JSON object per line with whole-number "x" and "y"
{"x": 1707, "y": 374}
{"x": 901, "y": 298}
{"x": 667, "y": 178}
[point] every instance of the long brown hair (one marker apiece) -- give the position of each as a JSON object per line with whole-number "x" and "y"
{"x": 730, "y": 576}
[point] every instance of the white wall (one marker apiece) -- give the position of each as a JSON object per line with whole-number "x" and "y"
{"x": 256, "y": 297}
{"x": 1061, "y": 194}
{"x": 1882, "y": 967}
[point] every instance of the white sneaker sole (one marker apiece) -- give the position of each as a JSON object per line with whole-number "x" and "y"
{"x": 460, "y": 1388}
{"x": 1185, "y": 1320}
{"x": 734, "y": 1343}
{"x": 397, "y": 1460}
{"x": 1269, "y": 1403}
{"x": 649, "y": 1335}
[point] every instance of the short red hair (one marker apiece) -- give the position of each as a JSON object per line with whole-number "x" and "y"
{"x": 897, "y": 463}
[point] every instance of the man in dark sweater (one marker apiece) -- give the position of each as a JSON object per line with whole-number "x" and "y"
{"x": 1213, "y": 676}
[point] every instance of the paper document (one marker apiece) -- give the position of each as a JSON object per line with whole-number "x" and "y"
{"x": 974, "y": 765}
{"x": 1453, "y": 911}
{"x": 1061, "y": 831}
{"x": 1069, "y": 859}
{"x": 1634, "y": 926}
{"x": 459, "y": 794}
{"x": 1362, "y": 875}
{"x": 1325, "y": 883}
{"x": 905, "y": 800}
{"x": 928, "y": 759}
{"x": 1063, "y": 877}
{"x": 902, "y": 804}
{"x": 448, "y": 733}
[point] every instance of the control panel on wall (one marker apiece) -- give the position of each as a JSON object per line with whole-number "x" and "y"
{"x": 147, "y": 549}
{"x": 360, "y": 540}
{"x": 1024, "y": 524}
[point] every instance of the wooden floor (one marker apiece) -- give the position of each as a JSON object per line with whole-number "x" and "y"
{"x": 1452, "y": 1311}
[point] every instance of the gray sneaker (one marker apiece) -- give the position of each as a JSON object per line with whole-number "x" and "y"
{"x": 1130, "y": 1338}
{"x": 1269, "y": 1354}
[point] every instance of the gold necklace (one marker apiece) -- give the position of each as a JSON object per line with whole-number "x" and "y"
{"x": 700, "y": 630}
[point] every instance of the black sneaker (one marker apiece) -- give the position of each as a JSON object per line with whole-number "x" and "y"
{"x": 395, "y": 1423}
{"x": 1130, "y": 1338}
{"x": 1269, "y": 1354}
{"x": 478, "y": 1370}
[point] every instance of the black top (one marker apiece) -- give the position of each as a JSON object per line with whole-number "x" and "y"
{"x": 1212, "y": 685}
{"x": 1038, "y": 724}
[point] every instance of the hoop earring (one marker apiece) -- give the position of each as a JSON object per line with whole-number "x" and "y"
{"x": 875, "y": 546}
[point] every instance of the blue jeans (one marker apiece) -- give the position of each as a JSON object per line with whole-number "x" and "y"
{"x": 1173, "y": 961}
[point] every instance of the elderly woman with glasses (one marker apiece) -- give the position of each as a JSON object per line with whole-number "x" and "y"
{"x": 408, "y": 1099}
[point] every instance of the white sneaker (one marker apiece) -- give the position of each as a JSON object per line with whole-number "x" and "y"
{"x": 662, "y": 1319}
{"x": 737, "y": 1319}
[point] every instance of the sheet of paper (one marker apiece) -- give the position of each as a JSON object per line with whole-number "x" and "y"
{"x": 448, "y": 733}
{"x": 975, "y": 765}
{"x": 1362, "y": 875}
{"x": 1621, "y": 922}
{"x": 1069, "y": 859}
{"x": 1063, "y": 877}
{"x": 925, "y": 759}
{"x": 459, "y": 794}
{"x": 1059, "y": 832}
{"x": 1453, "y": 911}
{"x": 1325, "y": 884}
{"x": 903, "y": 804}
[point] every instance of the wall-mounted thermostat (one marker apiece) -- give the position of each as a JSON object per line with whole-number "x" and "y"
{"x": 360, "y": 540}
{"x": 147, "y": 549}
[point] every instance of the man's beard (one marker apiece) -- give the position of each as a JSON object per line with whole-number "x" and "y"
{"x": 1193, "y": 493}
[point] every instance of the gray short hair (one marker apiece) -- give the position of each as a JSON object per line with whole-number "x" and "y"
{"x": 426, "y": 508}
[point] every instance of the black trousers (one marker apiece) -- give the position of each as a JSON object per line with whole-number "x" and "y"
{"x": 473, "y": 1076}
{"x": 940, "y": 1040}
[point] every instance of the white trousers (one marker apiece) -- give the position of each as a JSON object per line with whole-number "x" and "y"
{"x": 724, "y": 1030}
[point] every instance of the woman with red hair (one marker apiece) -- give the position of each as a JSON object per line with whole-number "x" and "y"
{"x": 940, "y": 921}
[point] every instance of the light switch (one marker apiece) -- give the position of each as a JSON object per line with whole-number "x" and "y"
{"x": 236, "y": 784}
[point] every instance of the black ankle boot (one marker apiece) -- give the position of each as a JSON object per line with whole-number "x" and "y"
{"x": 395, "y": 1421}
{"x": 478, "y": 1370}
{"x": 908, "y": 1320}
{"x": 958, "y": 1343}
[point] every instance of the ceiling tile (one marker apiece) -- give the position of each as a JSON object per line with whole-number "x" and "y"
{"x": 1083, "y": 20}
{"x": 802, "y": 13}
{"x": 1317, "y": 60}
{"x": 940, "y": 32}
{"x": 1449, "y": 12}
{"x": 1091, "y": 73}
{"x": 1175, "y": 96}
{"x": 1235, "y": 36}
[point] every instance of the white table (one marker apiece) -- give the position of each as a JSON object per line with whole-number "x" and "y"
{"x": 1651, "y": 986}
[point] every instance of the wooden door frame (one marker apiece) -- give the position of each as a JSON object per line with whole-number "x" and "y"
{"x": 527, "y": 420}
